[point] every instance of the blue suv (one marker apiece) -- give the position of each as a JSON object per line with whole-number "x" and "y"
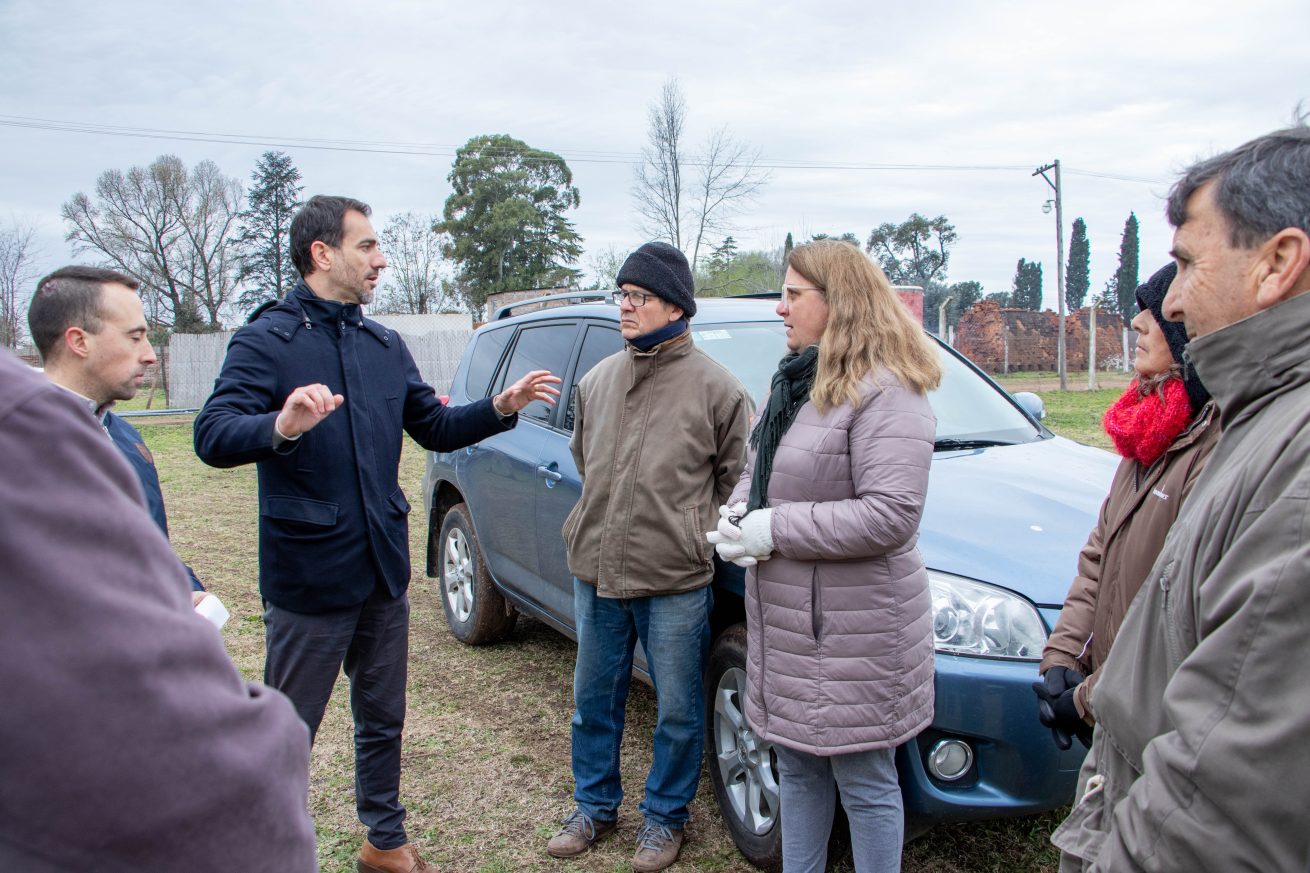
{"x": 1009, "y": 506}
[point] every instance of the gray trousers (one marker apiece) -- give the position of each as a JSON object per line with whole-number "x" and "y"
{"x": 306, "y": 652}
{"x": 870, "y": 794}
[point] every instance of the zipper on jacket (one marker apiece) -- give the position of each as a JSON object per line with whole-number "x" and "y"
{"x": 816, "y": 604}
{"x": 1170, "y": 629}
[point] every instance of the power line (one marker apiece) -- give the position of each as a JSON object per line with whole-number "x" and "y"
{"x": 392, "y": 147}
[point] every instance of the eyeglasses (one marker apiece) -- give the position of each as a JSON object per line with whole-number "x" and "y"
{"x": 636, "y": 298}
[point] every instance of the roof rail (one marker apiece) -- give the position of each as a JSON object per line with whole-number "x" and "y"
{"x": 575, "y": 296}
{"x": 757, "y": 295}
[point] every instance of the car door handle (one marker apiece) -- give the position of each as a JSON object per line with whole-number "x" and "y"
{"x": 550, "y": 473}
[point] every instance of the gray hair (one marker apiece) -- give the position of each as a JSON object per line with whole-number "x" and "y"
{"x": 1263, "y": 186}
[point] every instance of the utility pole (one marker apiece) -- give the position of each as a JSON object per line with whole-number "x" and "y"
{"x": 1059, "y": 271}
{"x": 941, "y": 321}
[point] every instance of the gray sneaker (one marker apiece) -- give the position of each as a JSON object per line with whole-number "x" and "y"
{"x": 577, "y": 835}
{"x": 657, "y": 847}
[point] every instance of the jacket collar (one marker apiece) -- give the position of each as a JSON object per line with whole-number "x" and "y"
{"x": 311, "y": 310}
{"x": 673, "y": 347}
{"x": 1252, "y": 358}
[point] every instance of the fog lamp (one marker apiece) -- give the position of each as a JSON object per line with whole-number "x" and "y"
{"x": 949, "y": 760}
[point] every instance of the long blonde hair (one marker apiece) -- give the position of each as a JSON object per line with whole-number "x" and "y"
{"x": 869, "y": 327}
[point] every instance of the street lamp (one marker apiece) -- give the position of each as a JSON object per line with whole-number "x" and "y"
{"x": 1059, "y": 251}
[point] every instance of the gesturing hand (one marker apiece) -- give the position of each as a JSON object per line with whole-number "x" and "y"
{"x": 535, "y": 385}
{"x": 305, "y": 408}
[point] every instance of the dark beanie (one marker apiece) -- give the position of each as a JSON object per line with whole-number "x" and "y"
{"x": 662, "y": 270}
{"x": 1150, "y": 295}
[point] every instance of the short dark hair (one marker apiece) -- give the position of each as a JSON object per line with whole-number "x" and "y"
{"x": 1263, "y": 186}
{"x": 70, "y": 296}
{"x": 320, "y": 220}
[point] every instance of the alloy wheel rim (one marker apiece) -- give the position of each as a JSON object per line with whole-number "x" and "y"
{"x": 747, "y": 767}
{"x": 457, "y": 575}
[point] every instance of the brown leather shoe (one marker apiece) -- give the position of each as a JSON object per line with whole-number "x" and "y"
{"x": 577, "y": 835}
{"x": 657, "y": 847}
{"x": 402, "y": 859}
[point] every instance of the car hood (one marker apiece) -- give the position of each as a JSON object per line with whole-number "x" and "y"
{"x": 1015, "y": 516}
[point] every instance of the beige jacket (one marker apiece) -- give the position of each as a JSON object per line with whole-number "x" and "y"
{"x": 659, "y": 438}
{"x": 1199, "y": 760}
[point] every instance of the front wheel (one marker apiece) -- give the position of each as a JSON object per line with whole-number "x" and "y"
{"x": 743, "y": 767}
{"x": 475, "y": 611}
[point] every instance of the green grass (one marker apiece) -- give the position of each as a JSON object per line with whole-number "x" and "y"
{"x": 1077, "y": 414}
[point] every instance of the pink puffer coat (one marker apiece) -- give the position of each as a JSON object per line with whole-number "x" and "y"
{"x": 839, "y": 627}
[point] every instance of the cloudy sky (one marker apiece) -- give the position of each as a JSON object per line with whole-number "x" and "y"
{"x": 868, "y": 111}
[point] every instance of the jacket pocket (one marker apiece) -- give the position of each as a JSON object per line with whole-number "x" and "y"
{"x": 696, "y": 546}
{"x": 399, "y": 501}
{"x": 1170, "y": 619}
{"x": 301, "y": 510}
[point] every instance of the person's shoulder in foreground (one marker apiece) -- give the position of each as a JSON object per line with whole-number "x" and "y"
{"x": 128, "y": 741}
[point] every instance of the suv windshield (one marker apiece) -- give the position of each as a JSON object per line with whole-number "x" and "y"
{"x": 969, "y": 410}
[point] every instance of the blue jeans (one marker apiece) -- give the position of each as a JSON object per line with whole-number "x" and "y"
{"x": 674, "y": 630}
{"x": 870, "y": 794}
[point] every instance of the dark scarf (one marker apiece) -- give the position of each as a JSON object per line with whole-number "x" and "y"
{"x": 648, "y": 341}
{"x": 790, "y": 389}
{"x": 1144, "y": 426}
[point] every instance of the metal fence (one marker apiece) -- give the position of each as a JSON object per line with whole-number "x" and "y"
{"x": 192, "y": 361}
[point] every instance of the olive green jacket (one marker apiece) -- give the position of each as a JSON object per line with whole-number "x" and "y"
{"x": 659, "y": 438}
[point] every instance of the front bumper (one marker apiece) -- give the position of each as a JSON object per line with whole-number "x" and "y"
{"x": 1017, "y": 768}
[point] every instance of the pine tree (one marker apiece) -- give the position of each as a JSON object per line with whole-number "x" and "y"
{"x": 1077, "y": 277}
{"x": 265, "y": 240}
{"x": 1123, "y": 287}
{"x": 1027, "y": 292}
{"x": 786, "y": 249}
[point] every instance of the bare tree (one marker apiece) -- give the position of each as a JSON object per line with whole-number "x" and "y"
{"x": 727, "y": 177}
{"x": 604, "y": 266}
{"x": 18, "y": 254}
{"x": 413, "y": 276}
{"x": 172, "y": 230}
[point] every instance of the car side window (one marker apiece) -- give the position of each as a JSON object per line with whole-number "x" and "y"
{"x": 598, "y": 344}
{"x": 546, "y": 347}
{"x": 487, "y": 349}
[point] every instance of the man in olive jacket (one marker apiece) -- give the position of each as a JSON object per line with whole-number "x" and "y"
{"x": 1199, "y": 760}
{"x": 659, "y": 437}
{"x": 319, "y": 398}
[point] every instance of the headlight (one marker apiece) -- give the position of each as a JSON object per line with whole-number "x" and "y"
{"x": 971, "y": 618}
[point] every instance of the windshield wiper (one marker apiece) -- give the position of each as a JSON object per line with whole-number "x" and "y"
{"x": 943, "y": 445}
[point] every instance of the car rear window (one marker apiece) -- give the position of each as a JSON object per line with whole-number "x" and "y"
{"x": 487, "y": 349}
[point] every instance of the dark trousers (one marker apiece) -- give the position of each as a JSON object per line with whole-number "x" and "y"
{"x": 305, "y": 652}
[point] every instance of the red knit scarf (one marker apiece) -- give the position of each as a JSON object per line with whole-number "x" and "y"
{"x": 1144, "y": 426}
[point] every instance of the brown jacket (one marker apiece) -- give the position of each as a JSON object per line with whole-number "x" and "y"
{"x": 1135, "y": 517}
{"x": 659, "y": 438}
{"x": 128, "y": 740}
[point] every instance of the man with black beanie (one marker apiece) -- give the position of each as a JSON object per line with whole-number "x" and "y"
{"x": 659, "y": 438}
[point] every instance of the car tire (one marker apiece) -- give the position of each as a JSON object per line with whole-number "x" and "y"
{"x": 743, "y": 768}
{"x": 475, "y": 611}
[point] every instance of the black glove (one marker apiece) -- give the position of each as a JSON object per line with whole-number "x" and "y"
{"x": 1056, "y": 709}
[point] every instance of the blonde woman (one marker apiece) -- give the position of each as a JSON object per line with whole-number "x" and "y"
{"x": 826, "y": 517}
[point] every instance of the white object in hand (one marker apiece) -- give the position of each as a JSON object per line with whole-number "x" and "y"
{"x": 757, "y": 534}
{"x": 213, "y": 611}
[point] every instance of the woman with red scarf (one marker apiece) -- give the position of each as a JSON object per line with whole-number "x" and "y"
{"x": 1165, "y": 426}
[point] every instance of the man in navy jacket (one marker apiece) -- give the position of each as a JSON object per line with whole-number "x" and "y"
{"x": 90, "y": 327}
{"x": 317, "y": 396}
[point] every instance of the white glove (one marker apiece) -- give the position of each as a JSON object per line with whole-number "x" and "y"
{"x": 756, "y": 535}
{"x": 727, "y": 531}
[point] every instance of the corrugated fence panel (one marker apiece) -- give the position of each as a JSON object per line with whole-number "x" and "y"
{"x": 195, "y": 359}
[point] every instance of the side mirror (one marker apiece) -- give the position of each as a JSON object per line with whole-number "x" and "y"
{"x": 1032, "y": 404}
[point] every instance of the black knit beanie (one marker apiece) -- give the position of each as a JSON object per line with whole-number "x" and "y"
{"x": 662, "y": 270}
{"x": 1150, "y": 295}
